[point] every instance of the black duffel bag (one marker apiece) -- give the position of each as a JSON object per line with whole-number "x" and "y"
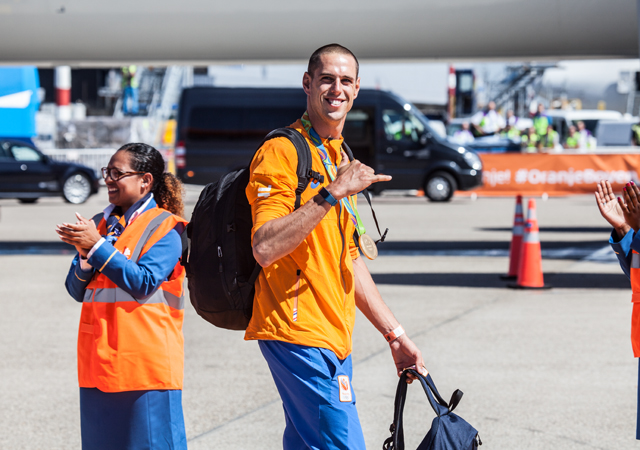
{"x": 448, "y": 430}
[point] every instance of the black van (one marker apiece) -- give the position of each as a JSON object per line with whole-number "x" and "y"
{"x": 219, "y": 129}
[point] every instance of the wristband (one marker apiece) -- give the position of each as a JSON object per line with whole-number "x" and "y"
{"x": 395, "y": 334}
{"x": 326, "y": 195}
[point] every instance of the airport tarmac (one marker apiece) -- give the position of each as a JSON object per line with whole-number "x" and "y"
{"x": 539, "y": 369}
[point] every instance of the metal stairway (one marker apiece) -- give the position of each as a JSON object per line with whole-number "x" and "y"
{"x": 514, "y": 86}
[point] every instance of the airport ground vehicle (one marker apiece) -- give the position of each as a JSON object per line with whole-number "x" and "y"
{"x": 489, "y": 144}
{"x": 220, "y": 128}
{"x": 27, "y": 174}
{"x": 562, "y": 120}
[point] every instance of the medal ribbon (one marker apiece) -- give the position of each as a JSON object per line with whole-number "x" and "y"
{"x": 332, "y": 171}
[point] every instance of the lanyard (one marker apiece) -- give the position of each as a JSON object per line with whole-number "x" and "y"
{"x": 332, "y": 171}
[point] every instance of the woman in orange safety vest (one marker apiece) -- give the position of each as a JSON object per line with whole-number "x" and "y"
{"x": 623, "y": 214}
{"x": 129, "y": 279}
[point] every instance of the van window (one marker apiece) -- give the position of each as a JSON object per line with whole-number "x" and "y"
{"x": 358, "y": 133}
{"x": 589, "y": 124}
{"x": 401, "y": 126}
{"x": 207, "y": 123}
{"x": 357, "y": 127}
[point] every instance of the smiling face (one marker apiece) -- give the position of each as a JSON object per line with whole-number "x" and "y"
{"x": 330, "y": 91}
{"x": 130, "y": 188}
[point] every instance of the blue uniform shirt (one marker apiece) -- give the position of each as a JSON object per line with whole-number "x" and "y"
{"x": 139, "y": 279}
{"x": 623, "y": 247}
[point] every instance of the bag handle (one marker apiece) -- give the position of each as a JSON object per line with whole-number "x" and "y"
{"x": 439, "y": 405}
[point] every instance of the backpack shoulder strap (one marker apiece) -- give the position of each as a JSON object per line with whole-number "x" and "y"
{"x": 348, "y": 151}
{"x": 304, "y": 169}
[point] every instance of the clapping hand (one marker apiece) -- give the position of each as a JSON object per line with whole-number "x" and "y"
{"x": 611, "y": 208}
{"x": 631, "y": 205}
{"x": 83, "y": 235}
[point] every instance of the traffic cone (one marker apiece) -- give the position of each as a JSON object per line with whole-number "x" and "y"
{"x": 530, "y": 269}
{"x": 516, "y": 242}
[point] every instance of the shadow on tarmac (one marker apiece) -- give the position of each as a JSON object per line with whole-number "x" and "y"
{"x": 35, "y": 248}
{"x": 571, "y": 250}
{"x": 492, "y": 280}
{"x": 606, "y": 230}
{"x": 551, "y": 250}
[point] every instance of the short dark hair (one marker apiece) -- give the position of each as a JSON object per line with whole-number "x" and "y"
{"x": 314, "y": 61}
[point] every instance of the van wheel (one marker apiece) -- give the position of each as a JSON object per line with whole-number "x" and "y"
{"x": 440, "y": 187}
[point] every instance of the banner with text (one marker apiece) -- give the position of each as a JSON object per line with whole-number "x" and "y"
{"x": 555, "y": 174}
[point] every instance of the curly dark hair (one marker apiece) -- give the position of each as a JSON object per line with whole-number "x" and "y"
{"x": 167, "y": 188}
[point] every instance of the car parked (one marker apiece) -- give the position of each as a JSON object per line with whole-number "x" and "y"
{"x": 27, "y": 174}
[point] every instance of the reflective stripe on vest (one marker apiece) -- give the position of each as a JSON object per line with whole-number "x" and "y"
{"x": 151, "y": 228}
{"x": 116, "y": 295}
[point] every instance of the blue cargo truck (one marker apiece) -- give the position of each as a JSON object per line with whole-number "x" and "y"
{"x": 18, "y": 102}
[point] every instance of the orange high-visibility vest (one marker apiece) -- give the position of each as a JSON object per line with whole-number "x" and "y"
{"x": 635, "y": 314}
{"x": 128, "y": 344}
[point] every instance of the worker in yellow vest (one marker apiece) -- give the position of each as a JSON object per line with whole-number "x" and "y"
{"x": 130, "y": 90}
{"x": 530, "y": 141}
{"x": 573, "y": 139}
{"x": 551, "y": 140}
{"x": 541, "y": 122}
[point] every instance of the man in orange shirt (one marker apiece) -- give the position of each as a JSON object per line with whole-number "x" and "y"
{"x": 313, "y": 276}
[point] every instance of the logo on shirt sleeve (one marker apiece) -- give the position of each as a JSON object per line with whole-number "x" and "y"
{"x": 264, "y": 192}
{"x": 345, "y": 388}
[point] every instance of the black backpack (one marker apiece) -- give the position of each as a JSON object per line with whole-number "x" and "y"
{"x": 448, "y": 430}
{"x": 219, "y": 262}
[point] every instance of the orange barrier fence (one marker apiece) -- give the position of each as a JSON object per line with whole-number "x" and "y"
{"x": 555, "y": 174}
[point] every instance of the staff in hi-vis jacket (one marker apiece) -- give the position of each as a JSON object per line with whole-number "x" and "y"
{"x": 129, "y": 279}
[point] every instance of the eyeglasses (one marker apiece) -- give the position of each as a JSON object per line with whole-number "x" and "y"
{"x": 115, "y": 174}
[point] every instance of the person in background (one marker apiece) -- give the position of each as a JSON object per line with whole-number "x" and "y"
{"x": 530, "y": 141}
{"x": 586, "y": 141}
{"x": 512, "y": 119}
{"x": 488, "y": 121}
{"x": 510, "y": 132}
{"x": 635, "y": 134}
{"x": 129, "y": 279}
{"x": 464, "y": 135}
{"x": 130, "y": 90}
{"x": 572, "y": 141}
{"x": 551, "y": 140}
{"x": 541, "y": 122}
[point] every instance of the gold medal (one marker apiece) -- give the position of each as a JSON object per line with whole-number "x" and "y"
{"x": 368, "y": 247}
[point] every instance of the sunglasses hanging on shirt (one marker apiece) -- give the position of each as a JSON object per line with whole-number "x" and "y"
{"x": 368, "y": 246}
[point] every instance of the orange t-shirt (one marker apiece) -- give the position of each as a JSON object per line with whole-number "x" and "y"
{"x": 318, "y": 274}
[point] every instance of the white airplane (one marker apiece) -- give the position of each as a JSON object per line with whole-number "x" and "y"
{"x": 93, "y": 32}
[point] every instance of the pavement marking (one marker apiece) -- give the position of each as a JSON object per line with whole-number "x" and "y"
{"x": 235, "y": 419}
{"x": 431, "y": 328}
{"x": 604, "y": 254}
